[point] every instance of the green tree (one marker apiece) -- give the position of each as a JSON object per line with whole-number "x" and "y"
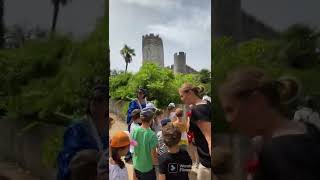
{"x": 56, "y": 8}
{"x": 127, "y": 53}
{"x": 161, "y": 83}
{"x": 300, "y": 46}
{"x": 205, "y": 76}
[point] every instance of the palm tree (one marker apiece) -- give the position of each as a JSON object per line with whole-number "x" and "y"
{"x": 127, "y": 53}
{"x": 56, "y": 8}
{"x": 1, "y": 24}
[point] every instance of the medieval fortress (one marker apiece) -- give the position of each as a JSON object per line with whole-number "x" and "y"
{"x": 152, "y": 51}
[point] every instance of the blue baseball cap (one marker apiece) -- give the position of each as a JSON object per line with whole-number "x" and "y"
{"x": 165, "y": 121}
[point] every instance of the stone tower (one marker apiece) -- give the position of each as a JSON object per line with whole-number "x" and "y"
{"x": 180, "y": 62}
{"x": 227, "y": 18}
{"x": 152, "y": 49}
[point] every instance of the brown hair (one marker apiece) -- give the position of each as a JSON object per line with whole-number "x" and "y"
{"x": 171, "y": 135}
{"x": 197, "y": 90}
{"x": 243, "y": 82}
{"x": 179, "y": 112}
{"x": 136, "y": 116}
{"x": 116, "y": 157}
{"x": 158, "y": 112}
{"x": 146, "y": 119}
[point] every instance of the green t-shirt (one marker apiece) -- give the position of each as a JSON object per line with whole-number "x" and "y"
{"x": 147, "y": 141}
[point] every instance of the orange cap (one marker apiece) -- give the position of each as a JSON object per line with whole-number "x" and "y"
{"x": 120, "y": 139}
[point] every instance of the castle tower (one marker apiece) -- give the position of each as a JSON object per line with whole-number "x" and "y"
{"x": 227, "y": 18}
{"x": 179, "y": 62}
{"x": 152, "y": 49}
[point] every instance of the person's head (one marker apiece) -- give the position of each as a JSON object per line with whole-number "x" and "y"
{"x": 164, "y": 122}
{"x": 151, "y": 106}
{"x": 146, "y": 116}
{"x": 254, "y": 103}
{"x": 171, "y": 107}
{"x": 97, "y": 107}
{"x": 171, "y": 135}
{"x": 135, "y": 114}
{"x": 179, "y": 112}
{"x": 83, "y": 165}
{"x": 141, "y": 93}
{"x": 120, "y": 144}
{"x": 158, "y": 114}
{"x": 190, "y": 94}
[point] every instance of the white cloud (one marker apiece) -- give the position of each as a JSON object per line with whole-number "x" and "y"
{"x": 156, "y": 3}
{"x": 186, "y": 31}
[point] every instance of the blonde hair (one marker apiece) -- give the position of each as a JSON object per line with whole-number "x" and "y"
{"x": 197, "y": 90}
{"x": 179, "y": 112}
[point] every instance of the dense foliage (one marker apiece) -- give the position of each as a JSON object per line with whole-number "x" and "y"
{"x": 161, "y": 83}
{"x": 294, "y": 54}
{"x": 46, "y": 77}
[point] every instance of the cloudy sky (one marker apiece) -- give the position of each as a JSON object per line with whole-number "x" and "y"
{"x": 78, "y": 16}
{"x": 282, "y": 13}
{"x": 183, "y": 25}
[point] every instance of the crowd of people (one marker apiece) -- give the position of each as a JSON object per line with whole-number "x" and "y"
{"x": 161, "y": 142}
{"x": 167, "y": 143}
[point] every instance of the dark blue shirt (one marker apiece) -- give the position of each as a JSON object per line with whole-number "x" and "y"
{"x": 77, "y": 137}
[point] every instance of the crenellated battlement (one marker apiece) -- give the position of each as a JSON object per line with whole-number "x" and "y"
{"x": 179, "y": 54}
{"x": 152, "y": 49}
{"x": 151, "y": 35}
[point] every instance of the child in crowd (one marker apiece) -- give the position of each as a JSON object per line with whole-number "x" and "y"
{"x": 156, "y": 125}
{"x": 183, "y": 126}
{"x": 136, "y": 122}
{"x": 83, "y": 165}
{"x": 171, "y": 111}
{"x": 145, "y": 155}
{"x": 120, "y": 143}
{"x": 162, "y": 148}
{"x": 176, "y": 163}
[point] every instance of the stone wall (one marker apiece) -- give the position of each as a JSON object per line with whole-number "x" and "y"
{"x": 27, "y": 148}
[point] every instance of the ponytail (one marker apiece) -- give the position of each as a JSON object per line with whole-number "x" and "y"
{"x": 197, "y": 90}
{"x": 115, "y": 156}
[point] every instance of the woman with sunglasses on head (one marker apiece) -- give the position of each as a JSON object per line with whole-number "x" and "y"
{"x": 256, "y": 105}
{"x": 138, "y": 103}
{"x": 200, "y": 125}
